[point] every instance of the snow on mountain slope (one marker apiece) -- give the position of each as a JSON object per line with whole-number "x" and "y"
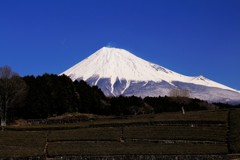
{"x": 116, "y": 63}
{"x": 119, "y": 64}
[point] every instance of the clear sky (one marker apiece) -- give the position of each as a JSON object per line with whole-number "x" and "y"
{"x": 191, "y": 37}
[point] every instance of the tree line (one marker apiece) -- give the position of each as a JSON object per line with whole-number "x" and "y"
{"x": 39, "y": 97}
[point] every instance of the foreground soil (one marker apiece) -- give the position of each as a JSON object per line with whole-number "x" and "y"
{"x": 196, "y": 135}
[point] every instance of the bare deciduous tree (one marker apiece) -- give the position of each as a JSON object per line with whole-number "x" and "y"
{"x": 180, "y": 94}
{"x": 12, "y": 89}
{"x": 176, "y": 92}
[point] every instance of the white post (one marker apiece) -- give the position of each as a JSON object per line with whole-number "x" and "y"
{"x": 183, "y": 111}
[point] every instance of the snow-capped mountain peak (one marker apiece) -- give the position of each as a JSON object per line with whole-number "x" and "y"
{"x": 116, "y": 71}
{"x": 114, "y": 63}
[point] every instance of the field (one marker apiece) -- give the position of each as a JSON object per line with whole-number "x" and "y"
{"x": 195, "y": 133}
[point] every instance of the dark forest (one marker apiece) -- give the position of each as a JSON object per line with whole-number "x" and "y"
{"x": 51, "y": 95}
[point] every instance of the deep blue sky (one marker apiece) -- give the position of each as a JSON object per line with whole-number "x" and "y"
{"x": 191, "y": 37}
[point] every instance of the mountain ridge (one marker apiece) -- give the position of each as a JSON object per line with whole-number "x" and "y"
{"x": 119, "y": 72}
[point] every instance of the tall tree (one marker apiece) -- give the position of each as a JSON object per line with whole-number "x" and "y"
{"x": 12, "y": 89}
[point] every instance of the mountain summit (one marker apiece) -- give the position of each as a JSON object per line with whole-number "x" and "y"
{"x": 119, "y": 72}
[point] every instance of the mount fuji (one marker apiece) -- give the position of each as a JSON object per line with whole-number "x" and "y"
{"x": 118, "y": 72}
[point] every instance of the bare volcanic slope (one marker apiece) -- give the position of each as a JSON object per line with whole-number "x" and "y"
{"x": 119, "y": 72}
